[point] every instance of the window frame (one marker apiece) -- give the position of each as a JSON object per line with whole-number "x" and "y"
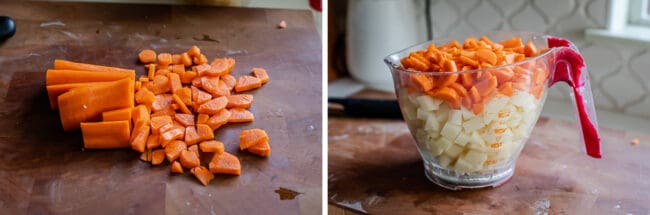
{"x": 622, "y": 26}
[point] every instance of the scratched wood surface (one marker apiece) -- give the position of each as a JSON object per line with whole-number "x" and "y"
{"x": 374, "y": 168}
{"x": 43, "y": 170}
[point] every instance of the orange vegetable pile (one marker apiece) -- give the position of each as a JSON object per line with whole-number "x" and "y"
{"x": 441, "y": 69}
{"x": 170, "y": 113}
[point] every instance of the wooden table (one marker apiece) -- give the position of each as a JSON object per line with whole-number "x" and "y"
{"x": 44, "y": 170}
{"x": 374, "y": 168}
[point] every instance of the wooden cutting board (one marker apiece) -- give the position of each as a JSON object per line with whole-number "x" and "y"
{"x": 44, "y": 170}
{"x": 375, "y": 168}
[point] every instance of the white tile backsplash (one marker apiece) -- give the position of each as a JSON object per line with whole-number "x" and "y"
{"x": 620, "y": 74}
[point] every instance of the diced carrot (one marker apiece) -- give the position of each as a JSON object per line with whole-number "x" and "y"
{"x": 222, "y": 89}
{"x": 189, "y": 159}
{"x": 186, "y": 60}
{"x": 144, "y": 96}
{"x": 106, "y": 135}
{"x": 173, "y": 150}
{"x": 176, "y": 167}
{"x": 153, "y": 141}
{"x": 239, "y": 101}
{"x": 139, "y": 137}
{"x": 530, "y": 50}
{"x": 261, "y": 74}
{"x": 422, "y": 81}
{"x": 181, "y": 104}
{"x": 486, "y": 86}
{"x": 69, "y": 65}
{"x": 230, "y": 81}
{"x": 141, "y": 112}
{"x": 175, "y": 133}
{"x": 225, "y": 163}
{"x": 147, "y": 56}
{"x": 184, "y": 119}
{"x": 220, "y": 66}
{"x": 199, "y": 96}
{"x": 174, "y": 82}
{"x": 205, "y": 132}
{"x": 176, "y": 59}
{"x": 196, "y": 82}
{"x": 212, "y": 146}
{"x": 86, "y": 104}
{"x": 262, "y": 149}
{"x": 194, "y": 51}
{"x": 447, "y": 80}
{"x": 158, "y": 122}
{"x": 540, "y": 76}
{"x": 194, "y": 149}
{"x": 213, "y": 106}
{"x": 486, "y": 55}
{"x": 161, "y": 84}
{"x": 54, "y": 77}
{"x": 240, "y": 115}
{"x": 164, "y": 59}
{"x": 467, "y": 80}
{"x": 191, "y": 135}
{"x": 201, "y": 59}
{"x": 202, "y": 174}
{"x": 218, "y": 119}
{"x": 202, "y": 118}
{"x": 146, "y": 156}
{"x": 246, "y": 82}
{"x": 161, "y": 102}
{"x": 187, "y": 77}
{"x": 251, "y": 137}
{"x": 506, "y": 89}
{"x": 503, "y": 75}
{"x": 462, "y": 92}
{"x": 162, "y": 70}
{"x": 157, "y": 156}
{"x": 185, "y": 94}
{"x": 210, "y": 84}
{"x": 473, "y": 93}
{"x": 511, "y": 43}
{"x": 151, "y": 72}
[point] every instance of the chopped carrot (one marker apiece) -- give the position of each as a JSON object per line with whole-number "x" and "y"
{"x": 262, "y": 149}
{"x": 202, "y": 174}
{"x": 210, "y": 84}
{"x": 220, "y": 67}
{"x": 144, "y": 96}
{"x": 213, "y": 106}
{"x": 423, "y": 81}
{"x": 191, "y": 136}
{"x": 222, "y": 89}
{"x": 174, "y": 149}
{"x": 189, "y": 159}
{"x": 503, "y": 75}
{"x": 141, "y": 112}
{"x": 212, "y": 146}
{"x": 174, "y": 82}
{"x": 151, "y": 71}
{"x": 201, "y": 59}
{"x": 194, "y": 51}
{"x": 164, "y": 59}
{"x": 229, "y": 80}
{"x": 486, "y": 86}
{"x": 511, "y": 43}
{"x": 530, "y": 50}
{"x": 446, "y": 94}
{"x": 635, "y": 141}
{"x": 176, "y": 59}
{"x": 69, "y": 65}
{"x": 246, "y": 82}
{"x": 153, "y": 141}
{"x": 174, "y": 133}
{"x": 467, "y": 80}
{"x": 202, "y": 118}
{"x": 239, "y": 101}
{"x": 205, "y": 132}
{"x": 194, "y": 149}
{"x": 86, "y": 104}
{"x": 147, "y": 56}
{"x": 199, "y": 96}
{"x": 261, "y": 74}
{"x": 251, "y": 137}
{"x": 185, "y": 94}
{"x": 157, "y": 156}
{"x": 181, "y": 104}
{"x": 220, "y": 118}
{"x": 158, "y": 122}
{"x": 106, "y": 135}
{"x": 146, "y": 156}
{"x": 445, "y": 81}
{"x": 117, "y": 115}
{"x": 162, "y": 70}
{"x": 184, "y": 119}
{"x": 161, "y": 102}
{"x": 240, "y": 115}
{"x": 176, "y": 167}
{"x": 186, "y": 59}
{"x": 460, "y": 90}
{"x": 54, "y": 91}
{"x": 139, "y": 137}
{"x": 225, "y": 163}
{"x": 161, "y": 84}
{"x": 187, "y": 77}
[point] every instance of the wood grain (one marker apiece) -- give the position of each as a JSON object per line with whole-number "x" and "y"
{"x": 43, "y": 170}
{"x": 374, "y": 168}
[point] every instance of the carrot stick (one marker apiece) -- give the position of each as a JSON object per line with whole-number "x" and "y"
{"x": 54, "y": 91}
{"x": 54, "y": 77}
{"x": 105, "y": 135}
{"x": 69, "y": 65}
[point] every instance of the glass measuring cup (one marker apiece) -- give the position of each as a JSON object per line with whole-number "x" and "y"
{"x": 473, "y": 139}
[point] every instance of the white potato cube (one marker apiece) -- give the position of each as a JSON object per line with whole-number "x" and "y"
{"x": 453, "y": 151}
{"x": 444, "y": 161}
{"x": 496, "y": 104}
{"x": 467, "y": 113}
{"x": 439, "y": 146}
{"x": 442, "y": 112}
{"x": 473, "y": 124}
{"x": 450, "y": 131}
{"x": 455, "y": 117}
{"x": 475, "y": 158}
{"x": 489, "y": 117}
{"x": 463, "y": 166}
{"x": 412, "y": 97}
{"x": 462, "y": 139}
{"x": 409, "y": 112}
{"x": 428, "y": 103}
{"x": 476, "y": 142}
{"x": 422, "y": 114}
{"x": 432, "y": 124}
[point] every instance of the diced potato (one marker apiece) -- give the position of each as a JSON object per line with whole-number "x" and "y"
{"x": 463, "y": 166}
{"x": 473, "y": 124}
{"x": 432, "y": 124}
{"x": 453, "y": 151}
{"x": 439, "y": 146}
{"x": 444, "y": 161}
{"x": 462, "y": 139}
{"x": 450, "y": 131}
{"x": 467, "y": 114}
{"x": 474, "y": 158}
{"x": 428, "y": 103}
{"x": 455, "y": 117}
{"x": 422, "y": 114}
{"x": 476, "y": 142}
